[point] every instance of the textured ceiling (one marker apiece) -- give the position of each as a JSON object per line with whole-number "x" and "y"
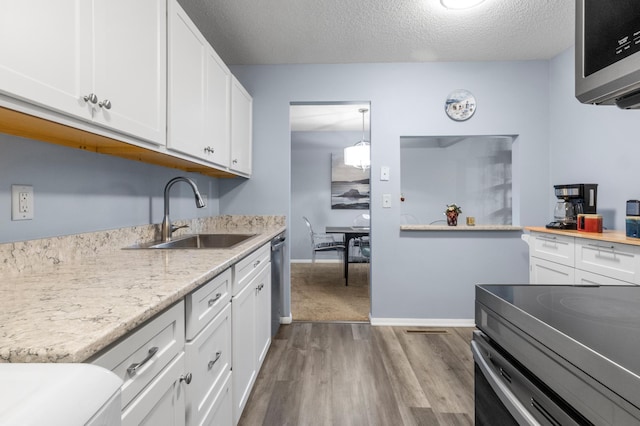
{"x": 251, "y": 32}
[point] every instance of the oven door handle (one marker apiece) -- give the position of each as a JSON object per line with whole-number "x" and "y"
{"x": 510, "y": 401}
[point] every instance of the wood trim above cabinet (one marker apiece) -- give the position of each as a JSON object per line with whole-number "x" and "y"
{"x": 28, "y": 126}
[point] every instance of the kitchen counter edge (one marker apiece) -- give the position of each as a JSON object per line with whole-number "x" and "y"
{"x": 610, "y": 236}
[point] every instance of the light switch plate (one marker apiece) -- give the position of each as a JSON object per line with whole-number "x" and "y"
{"x": 21, "y": 202}
{"x": 384, "y": 173}
{"x": 386, "y": 201}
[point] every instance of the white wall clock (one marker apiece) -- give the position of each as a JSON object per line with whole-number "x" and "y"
{"x": 460, "y": 105}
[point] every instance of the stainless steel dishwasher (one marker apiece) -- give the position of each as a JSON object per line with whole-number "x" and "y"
{"x": 277, "y": 282}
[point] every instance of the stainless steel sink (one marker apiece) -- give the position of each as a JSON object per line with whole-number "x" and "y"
{"x": 197, "y": 241}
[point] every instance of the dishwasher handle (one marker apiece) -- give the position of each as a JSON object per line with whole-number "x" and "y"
{"x": 277, "y": 243}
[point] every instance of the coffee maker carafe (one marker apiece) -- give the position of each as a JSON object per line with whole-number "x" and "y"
{"x": 573, "y": 200}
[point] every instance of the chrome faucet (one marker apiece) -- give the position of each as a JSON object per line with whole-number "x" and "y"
{"x": 167, "y": 228}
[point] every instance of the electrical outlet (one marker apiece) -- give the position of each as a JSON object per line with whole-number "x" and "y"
{"x": 21, "y": 202}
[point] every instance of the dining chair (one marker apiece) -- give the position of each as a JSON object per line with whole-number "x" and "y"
{"x": 323, "y": 243}
{"x": 360, "y": 250}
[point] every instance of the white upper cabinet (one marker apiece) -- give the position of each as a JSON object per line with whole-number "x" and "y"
{"x": 199, "y": 93}
{"x": 129, "y": 66}
{"x": 241, "y": 128}
{"x": 45, "y": 53}
{"x": 102, "y": 61}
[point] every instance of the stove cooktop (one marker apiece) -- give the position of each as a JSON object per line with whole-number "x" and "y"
{"x": 583, "y": 341}
{"x": 605, "y": 319}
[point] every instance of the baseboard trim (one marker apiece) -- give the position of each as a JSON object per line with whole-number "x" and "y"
{"x": 286, "y": 320}
{"x": 423, "y": 322}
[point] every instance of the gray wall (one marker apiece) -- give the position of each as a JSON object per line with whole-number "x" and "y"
{"x": 592, "y": 144}
{"x": 78, "y": 191}
{"x": 414, "y": 275}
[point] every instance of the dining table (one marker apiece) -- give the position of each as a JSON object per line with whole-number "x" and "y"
{"x": 350, "y": 233}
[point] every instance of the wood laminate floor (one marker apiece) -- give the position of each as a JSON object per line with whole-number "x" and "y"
{"x": 356, "y": 374}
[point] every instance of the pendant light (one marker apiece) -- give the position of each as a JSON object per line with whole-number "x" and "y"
{"x": 359, "y": 155}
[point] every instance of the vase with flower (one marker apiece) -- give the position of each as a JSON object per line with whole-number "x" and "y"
{"x": 452, "y": 211}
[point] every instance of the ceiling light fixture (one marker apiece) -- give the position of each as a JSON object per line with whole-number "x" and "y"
{"x": 359, "y": 155}
{"x": 460, "y": 4}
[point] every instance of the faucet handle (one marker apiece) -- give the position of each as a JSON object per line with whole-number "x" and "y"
{"x": 175, "y": 228}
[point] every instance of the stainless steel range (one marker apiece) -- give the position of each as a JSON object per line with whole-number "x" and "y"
{"x": 557, "y": 355}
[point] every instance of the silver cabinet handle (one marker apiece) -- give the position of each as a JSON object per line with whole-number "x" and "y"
{"x": 545, "y": 237}
{"x": 598, "y": 246}
{"x": 215, "y": 299}
{"x": 235, "y": 161}
{"x": 133, "y": 368}
{"x": 212, "y": 362}
{"x": 186, "y": 378}
{"x": 91, "y": 97}
{"x": 106, "y": 104}
{"x": 256, "y": 263}
{"x": 209, "y": 150}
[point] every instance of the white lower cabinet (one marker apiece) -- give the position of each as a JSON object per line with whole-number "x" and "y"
{"x": 221, "y": 412}
{"x": 243, "y": 324}
{"x": 562, "y": 259}
{"x": 150, "y": 361}
{"x": 196, "y": 362}
{"x": 589, "y": 278}
{"x": 263, "y": 316}
{"x": 250, "y": 324}
{"x": 544, "y": 272}
{"x": 618, "y": 261}
{"x": 209, "y": 361}
{"x": 162, "y": 402}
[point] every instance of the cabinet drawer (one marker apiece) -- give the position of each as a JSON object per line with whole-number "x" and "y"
{"x": 162, "y": 402}
{"x": 247, "y": 268}
{"x": 556, "y": 248}
{"x": 589, "y": 278}
{"x": 205, "y": 303}
{"x": 618, "y": 261}
{"x": 209, "y": 362}
{"x": 151, "y": 347}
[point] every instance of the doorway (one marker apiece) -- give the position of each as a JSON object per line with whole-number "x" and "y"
{"x": 320, "y": 131}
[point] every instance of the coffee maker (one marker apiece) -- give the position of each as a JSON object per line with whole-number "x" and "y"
{"x": 573, "y": 200}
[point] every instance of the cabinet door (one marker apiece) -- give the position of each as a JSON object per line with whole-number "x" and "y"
{"x": 217, "y": 123}
{"x": 45, "y": 48}
{"x": 129, "y": 66}
{"x": 162, "y": 402}
{"x": 544, "y": 272}
{"x": 186, "y": 109}
{"x": 241, "y": 128}
{"x": 243, "y": 323}
{"x": 263, "y": 314}
{"x": 209, "y": 362}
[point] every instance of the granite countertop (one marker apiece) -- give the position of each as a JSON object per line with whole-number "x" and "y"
{"x": 70, "y": 310}
{"x": 610, "y": 236}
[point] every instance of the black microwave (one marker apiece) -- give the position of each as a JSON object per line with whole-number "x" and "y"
{"x": 608, "y": 52}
